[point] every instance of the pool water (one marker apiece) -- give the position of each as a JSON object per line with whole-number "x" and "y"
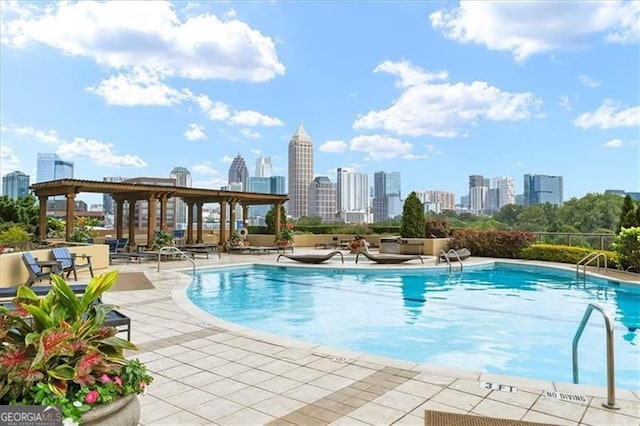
{"x": 504, "y": 319}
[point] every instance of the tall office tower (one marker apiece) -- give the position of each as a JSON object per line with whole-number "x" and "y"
{"x": 277, "y": 185}
{"x": 260, "y": 185}
{"x": 478, "y": 194}
{"x": 322, "y": 199}
{"x": 540, "y": 189}
{"x": 437, "y": 201}
{"x": 108, "y": 202}
{"x": 183, "y": 178}
{"x": 386, "y": 196}
{"x": 505, "y": 192}
{"x": 263, "y": 167}
{"x": 238, "y": 172}
{"x": 15, "y": 185}
{"x": 52, "y": 167}
{"x": 353, "y": 193}
{"x": 300, "y": 172}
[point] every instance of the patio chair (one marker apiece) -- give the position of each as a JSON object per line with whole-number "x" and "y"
{"x": 36, "y": 272}
{"x": 311, "y": 258}
{"x": 122, "y": 245}
{"x": 68, "y": 261}
{"x": 389, "y": 259}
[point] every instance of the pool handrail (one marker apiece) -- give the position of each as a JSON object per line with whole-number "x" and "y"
{"x": 596, "y": 255}
{"x": 611, "y": 387}
{"x": 174, "y": 249}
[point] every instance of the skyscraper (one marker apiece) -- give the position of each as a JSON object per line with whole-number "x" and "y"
{"x": 108, "y": 204}
{"x": 505, "y": 192}
{"x": 540, "y": 189}
{"x": 322, "y": 199}
{"x": 15, "y": 184}
{"x": 238, "y": 172}
{"x": 300, "y": 172}
{"x": 263, "y": 167}
{"x": 183, "y": 178}
{"x": 478, "y": 194}
{"x": 352, "y": 192}
{"x": 386, "y": 196}
{"x": 52, "y": 167}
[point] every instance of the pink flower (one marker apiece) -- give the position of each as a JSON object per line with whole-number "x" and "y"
{"x": 105, "y": 379}
{"x": 91, "y": 397}
{"x": 118, "y": 380}
{"x": 142, "y": 385}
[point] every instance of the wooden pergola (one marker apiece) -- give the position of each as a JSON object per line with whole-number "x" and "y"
{"x": 122, "y": 192}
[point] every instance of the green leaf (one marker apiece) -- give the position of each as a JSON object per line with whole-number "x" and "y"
{"x": 31, "y": 338}
{"x": 43, "y": 320}
{"x": 25, "y": 292}
{"x": 66, "y": 297}
{"x": 62, "y": 372}
{"x": 97, "y": 286}
{"x": 117, "y": 342}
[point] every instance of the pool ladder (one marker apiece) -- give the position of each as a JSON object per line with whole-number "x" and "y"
{"x": 446, "y": 257}
{"x": 611, "y": 387}
{"x": 591, "y": 257}
{"x": 172, "y": 249}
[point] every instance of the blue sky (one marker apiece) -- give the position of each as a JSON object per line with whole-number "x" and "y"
{"x": 435, "y": 90}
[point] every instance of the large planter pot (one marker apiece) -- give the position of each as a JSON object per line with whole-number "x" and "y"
{"x": 122, "y": 412}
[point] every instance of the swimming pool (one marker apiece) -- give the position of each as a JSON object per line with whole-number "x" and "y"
{"x": 503, "y": 318}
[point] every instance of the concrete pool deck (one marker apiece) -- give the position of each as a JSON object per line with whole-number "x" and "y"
{"x": 208, "y": 371}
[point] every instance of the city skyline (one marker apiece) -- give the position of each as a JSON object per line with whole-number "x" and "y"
{"x": 434, "y": 95}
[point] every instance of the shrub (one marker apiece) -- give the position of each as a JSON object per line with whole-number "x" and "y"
{"x": 15, "y": 235}
{"x": 563, "y": 254}
{"x": 627, "y": 246}
{"x": 412, "y": 218}
{"x": 437, "y": 228}
{"x": 506, "y": 244}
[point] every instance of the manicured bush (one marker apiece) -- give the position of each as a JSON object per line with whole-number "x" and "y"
{"x": 412, "y": 218}
{"x": 507, "y": 244}
{"x": 437, "y": 228}
{"x": 564, "y": 254}
{"x": 627, "y": 245}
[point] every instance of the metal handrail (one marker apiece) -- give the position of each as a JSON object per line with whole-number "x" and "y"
{"x": 175, "y": 250}
{"x": 457, "y": 257}
{"x": 446, "y": 257}
{"x": 611, "y": 386}
{"x": 588, "y": 259}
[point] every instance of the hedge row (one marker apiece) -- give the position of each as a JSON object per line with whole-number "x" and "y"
{"x": 506, "y": 244}
{"x": 564, "y": 254}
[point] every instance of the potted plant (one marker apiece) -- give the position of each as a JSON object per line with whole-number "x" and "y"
{"x": 286, "y": 235}
{"x": 56, "y": 350}
{"x": 235, "y": 239}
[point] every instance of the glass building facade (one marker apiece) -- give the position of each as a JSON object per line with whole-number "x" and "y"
{"x": 52, "y": 167}
{"x": 15, "y": 185}
{"x": 540, "y": 189}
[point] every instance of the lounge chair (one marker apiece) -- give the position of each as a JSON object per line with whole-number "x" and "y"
{"x": 40, "y": 290}
{"x": 452, "y": 254}
{"x": 36, "y": 271}
{"x": 311, "y": 258}
{"x": 122, "y": 245}
{"x": 68, "y": 262}
{"x": 389, "y": 258}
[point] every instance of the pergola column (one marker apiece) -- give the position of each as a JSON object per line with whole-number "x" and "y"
{"x": 278, "y": 217}
{"x": 163, "y": 212}
{"x": 232, "y": 216}
{"x": 71, "y": 200}
{"x": 223, "y": 223}
{"x": 199, "y": 227}
{"x": 132, "y": 222}
{"x": 43, "y": 216}
{"x": 119, "y": 219}
{"x": 190, "y": 222}
{"x": 245, "y": 215}
{"x": 151, "y": 220}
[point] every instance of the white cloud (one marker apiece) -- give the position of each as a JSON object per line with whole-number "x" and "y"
{"x": 100, "y": 153}
{"x": 150, "y": 35}
{"x": 613, "y": 143}
{"x": 587, "y": 81}
{"x": 444, "y": 109}
{"x": 205, "y": 169}
{"x": 8, "y": 160}
{"x": 564, "y": 103}
{"x": 250, "y": 134}
{"x": 139, "y": 87}
{"x": 48, "y": 137}
{"x": 255, "y": 151}
{"x": 195, "y": 132}
{"x": 380, "y": 147}
{"x": 226, "y": 159}
{"x": 529, "y": 28}
{"x": 409, "y": 74}
{"x": 609, "y": 115}
{"x": 254, "y": 118}
{"x": 215, "y": 111}
{"x": 415, "y": 156}
{"x": 432, "y": 149}
{"x": 334, "y": 146}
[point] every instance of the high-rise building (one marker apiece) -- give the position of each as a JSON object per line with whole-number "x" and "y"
{"x": 264, "y": 185}
{"x": 15, "y": 184}
{"x": 52, "y": 167}
{"x": 352, "y": 193}
{"x": 183, "y": 178}
{"x": 478, "y": 194}
{"x": 322, "y": 199}
{"x": 501, "y": 193}
{"x": 238, "y": 172}
{"x": 277, "y": 185}
{"x": 540, "y": 189}
{"x": 437, "y": 201}
{"x": 263, "y": 167}
{"x": 108, "y": 202}
{"x": 387, "y": 203}
{"x": 300, "y": 172}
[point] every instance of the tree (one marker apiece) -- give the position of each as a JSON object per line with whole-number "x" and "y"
{"x": 532, "y": 218}
{"x": 270, "y": 219}
{"x": 309, "y": 221}
{"x": 508, "y": 214}
{"x": 413, "y": 225}
{"x": 627, "y": 215}
{"x": 23, "y": 211}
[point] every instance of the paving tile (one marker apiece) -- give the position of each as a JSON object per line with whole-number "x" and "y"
{"x": 356, "y": 402}
{"x": 252, "y": 376}
{"x": 181, "y": 418}
{"x": 256, "y": 360}
{"x": 155, "y": 411}
{"x": 377, "y": 414}
{"x": 534, "y": 416}
{"x": 307, "y": 393}
{"x": 249, "y": 396}
{"x": 410, "y": 420}
{"x": 172, "y": 350}
{"x": 230, "y": 369}
{"x": 216, "y": 409}
{"x": 167, "y": 389}
{"x": 469, "y": 386}
{"x": 349, "y": 421}
{"x": 202, "y": 378}
{"x": 209, "y": 362}
{"x": 490, "y": 408}
{"x": 597, "y": 417}
{"x": 161, "y": 364}
{"x": 331, "y": 382}
{"x": 223, "y": 387}
{"x": 247, "y": 417}
{"x": 279, "y": 367}
{"x": 628, "y": 408}
{"x": 567, "y": 410}
{"x": 190, "y": 399}
{"x": 278, "y": 405}
{"x": 436, "y": 406}
{"x": 180, "y": 371}
{"x": 325, "y": 364}
{"x": 278, "y": 384}
{"x": 399, "y": 400}
{"x": 417, "y": 388}
{"x": 190, "y": 355}
{"x": 454, "y": 398}
{"x": 304, "y": 374}
{"x": 353, "y": 372}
